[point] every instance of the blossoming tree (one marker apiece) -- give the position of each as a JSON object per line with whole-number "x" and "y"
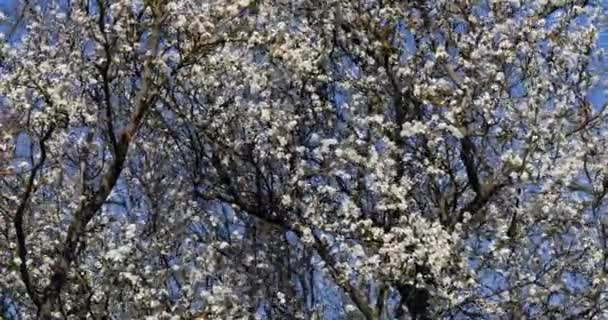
{"x": 342, "y": 159}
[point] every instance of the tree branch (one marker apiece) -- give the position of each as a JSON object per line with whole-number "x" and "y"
{"x": 143, "y": 102}
{"x": 18, "y": 220}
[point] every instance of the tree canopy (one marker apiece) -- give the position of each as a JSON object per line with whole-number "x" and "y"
{"x": 303, "y": 159}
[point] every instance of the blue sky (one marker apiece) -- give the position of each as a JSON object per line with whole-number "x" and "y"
{"x": 7, "y": 4}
